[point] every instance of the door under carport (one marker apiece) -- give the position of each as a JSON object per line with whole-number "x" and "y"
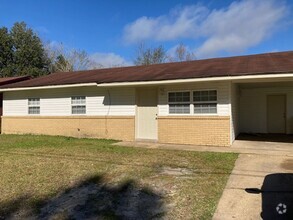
{"x": 276, "y": 114}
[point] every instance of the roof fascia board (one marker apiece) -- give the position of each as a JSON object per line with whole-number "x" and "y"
{"x": 208, "y": 79}
{"x": 49, "y": 87}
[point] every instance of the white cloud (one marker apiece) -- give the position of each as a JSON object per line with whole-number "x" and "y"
{"x": 233, "y": 29}
{"x": 242, "y": 25}
{"x": 109, "y": 59}
{"x": 181, "y": 22}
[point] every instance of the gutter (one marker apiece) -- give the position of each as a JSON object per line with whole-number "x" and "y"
{"x": 207, "y": 79}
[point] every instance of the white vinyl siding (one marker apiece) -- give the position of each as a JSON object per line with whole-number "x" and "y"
{"x": 57, "y": 102}
{"x": 235, "y": 96}
{"x": 222, "y": 88}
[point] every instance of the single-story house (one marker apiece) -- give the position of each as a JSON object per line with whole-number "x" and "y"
{"x": 202, "y": 102}
{"x": 5, "y": 81}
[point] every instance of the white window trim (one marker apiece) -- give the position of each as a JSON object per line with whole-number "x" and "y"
{"x": 192, "y": 103}
{"x": 28, "y": 106}
{"x": 85, "y": 104}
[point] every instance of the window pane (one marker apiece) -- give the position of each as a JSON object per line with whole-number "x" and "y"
{"x": 78, "y": 109}
{"x": 213, "y": 98}
{"x": 212, "y": 95}
{"x": 205, "y": 96}
{"x": 34, "y": 101}
{"x": 172, "y": 97}
{"x": 179, "y": 97}
{"x": 204, "y": 93}
{"x": 34, "y": 110}
{"x": 210, "y": 108}
{"x": 179, "y": 109}
{"x": 213, "y": 109}
{"x": 78, "y": 100}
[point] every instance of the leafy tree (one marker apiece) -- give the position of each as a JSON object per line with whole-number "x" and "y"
{"x": 148, "y": 56}
{"x": 6, "y": 52}
{"x": 29, "y": 57}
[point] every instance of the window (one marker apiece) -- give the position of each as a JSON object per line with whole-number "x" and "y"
{"x": 33, "y": 106}
{"x": 205, "y": 102}
{"x": 78, "y": 105}
{"x": 200, "y": 102}
{"x": 179, "y": 102}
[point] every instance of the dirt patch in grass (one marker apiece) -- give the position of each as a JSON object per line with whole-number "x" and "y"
{"x": 175, "y": 171}
{"x": 61, "y": 178}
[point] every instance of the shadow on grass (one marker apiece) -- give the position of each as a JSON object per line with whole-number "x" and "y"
{"x": 89, "y": 199}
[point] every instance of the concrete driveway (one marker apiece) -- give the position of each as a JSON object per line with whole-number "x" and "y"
{"x": 257, "y": 160}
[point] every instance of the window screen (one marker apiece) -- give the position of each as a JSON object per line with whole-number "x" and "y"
{"x": 33, "y": 106}
{"x": 78, "y": 105}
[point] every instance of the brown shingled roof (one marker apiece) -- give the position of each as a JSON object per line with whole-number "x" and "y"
{"x": 269, "y": 63}
{"x": 9, "y": 80}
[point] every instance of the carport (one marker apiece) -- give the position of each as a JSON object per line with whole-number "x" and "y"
{"x": 263, "y": 109}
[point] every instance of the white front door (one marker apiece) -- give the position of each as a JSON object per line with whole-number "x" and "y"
{"x": 276, "y": 113}
{"x": 146, "y": 121}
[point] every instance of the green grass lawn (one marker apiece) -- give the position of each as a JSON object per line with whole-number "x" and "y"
{"x": 63, "y": 177}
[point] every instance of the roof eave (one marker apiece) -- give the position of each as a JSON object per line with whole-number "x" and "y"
{"x": 206, "y": 79}
{"x": 235, "y": 79}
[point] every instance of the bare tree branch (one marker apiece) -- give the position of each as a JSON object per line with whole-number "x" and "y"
{"x": 148, "y": 56}
{"x": 65, "y": 60}
{"x": 182, "y": 54}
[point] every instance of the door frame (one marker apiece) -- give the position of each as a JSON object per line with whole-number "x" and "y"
{"x": 267, "y": 107}
{"x": 137, "y": 138}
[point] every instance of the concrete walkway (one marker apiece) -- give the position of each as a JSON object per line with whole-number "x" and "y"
{"x": 257, "y": 159}
{"x": 239, "y": 146}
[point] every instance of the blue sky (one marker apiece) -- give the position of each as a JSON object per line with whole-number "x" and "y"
{"x": 111, "y": 30}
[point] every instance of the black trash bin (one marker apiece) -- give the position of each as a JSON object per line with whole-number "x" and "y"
{"x": 277, "y": 196}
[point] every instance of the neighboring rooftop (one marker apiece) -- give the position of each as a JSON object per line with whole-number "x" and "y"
{"x": 269, "y": 63}
{"x": 9, "y": 80}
